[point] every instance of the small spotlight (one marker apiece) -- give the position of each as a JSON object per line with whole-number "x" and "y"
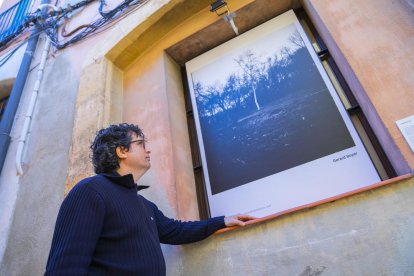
{"x": 219, "y": 7}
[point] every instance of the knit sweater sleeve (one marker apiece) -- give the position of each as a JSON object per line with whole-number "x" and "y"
{"x": 77, "y": 230}
{"x": 172, "y": 231}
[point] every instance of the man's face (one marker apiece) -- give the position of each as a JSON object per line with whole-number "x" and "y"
{"x": 138, "y": 154}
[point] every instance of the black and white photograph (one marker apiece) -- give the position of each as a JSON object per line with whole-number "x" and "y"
{"x": 269, "y": 123}
{"x": 267, "y": 110}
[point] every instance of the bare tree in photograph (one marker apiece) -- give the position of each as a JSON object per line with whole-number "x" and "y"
{"x": 203, "y": 99}
{"x": 297, "y": 40}
{"x": 253, "y": 71}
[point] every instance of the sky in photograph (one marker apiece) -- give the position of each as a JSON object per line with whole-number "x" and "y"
{"x": 220, "y": 69}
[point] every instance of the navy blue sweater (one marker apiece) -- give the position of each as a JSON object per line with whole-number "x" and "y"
{"x": 105, "y": 227}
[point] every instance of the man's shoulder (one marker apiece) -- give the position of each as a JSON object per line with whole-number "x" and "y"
{"x": 90, "y": 183}
{"x": 97, "y": 178}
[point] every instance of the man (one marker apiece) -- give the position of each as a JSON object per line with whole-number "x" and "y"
{"x": 105, "y": 227}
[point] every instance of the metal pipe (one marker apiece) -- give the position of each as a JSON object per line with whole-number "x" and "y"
{"x": 6, "y": 122}
{"x": 15, "y": 95}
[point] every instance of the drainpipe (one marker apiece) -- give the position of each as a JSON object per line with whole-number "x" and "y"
{"x": 15, "y": 95}
{"x": 32, "y": 103}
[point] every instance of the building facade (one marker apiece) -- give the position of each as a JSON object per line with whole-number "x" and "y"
{"x": 131, "y": 72}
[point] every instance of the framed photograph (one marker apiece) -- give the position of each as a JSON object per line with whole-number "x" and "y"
{"x": 273, "y": 133}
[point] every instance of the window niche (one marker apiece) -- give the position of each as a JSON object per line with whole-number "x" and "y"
{"x": 380, "y": 170}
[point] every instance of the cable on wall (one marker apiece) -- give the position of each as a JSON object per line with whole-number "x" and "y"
{"x": 51, "y": 22}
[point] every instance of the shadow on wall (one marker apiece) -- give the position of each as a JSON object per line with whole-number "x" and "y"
{"x": 310, "y": 271}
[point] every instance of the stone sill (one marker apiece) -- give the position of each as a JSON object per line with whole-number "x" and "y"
{"x": 320, "y": 202}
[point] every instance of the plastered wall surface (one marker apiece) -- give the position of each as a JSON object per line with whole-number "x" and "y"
{"x": 145, "y": 104}
{"x": 183, "y": 170}
{"x": 171, "y": 176}
{"x": 41, "y": 188}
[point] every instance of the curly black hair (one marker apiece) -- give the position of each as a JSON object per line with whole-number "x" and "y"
{"x": 104, "y": 146}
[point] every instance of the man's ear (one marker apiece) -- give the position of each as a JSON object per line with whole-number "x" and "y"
{"x": 121, "y": 152}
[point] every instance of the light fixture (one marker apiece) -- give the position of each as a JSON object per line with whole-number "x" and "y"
{"x": 220, "y": 7}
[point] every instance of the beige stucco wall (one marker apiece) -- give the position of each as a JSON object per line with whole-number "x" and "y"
{"x": 367, "y": 234}
{"x": 146, "y": 103}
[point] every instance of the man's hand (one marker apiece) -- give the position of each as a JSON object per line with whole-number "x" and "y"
{"x": 237, "y": 220}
